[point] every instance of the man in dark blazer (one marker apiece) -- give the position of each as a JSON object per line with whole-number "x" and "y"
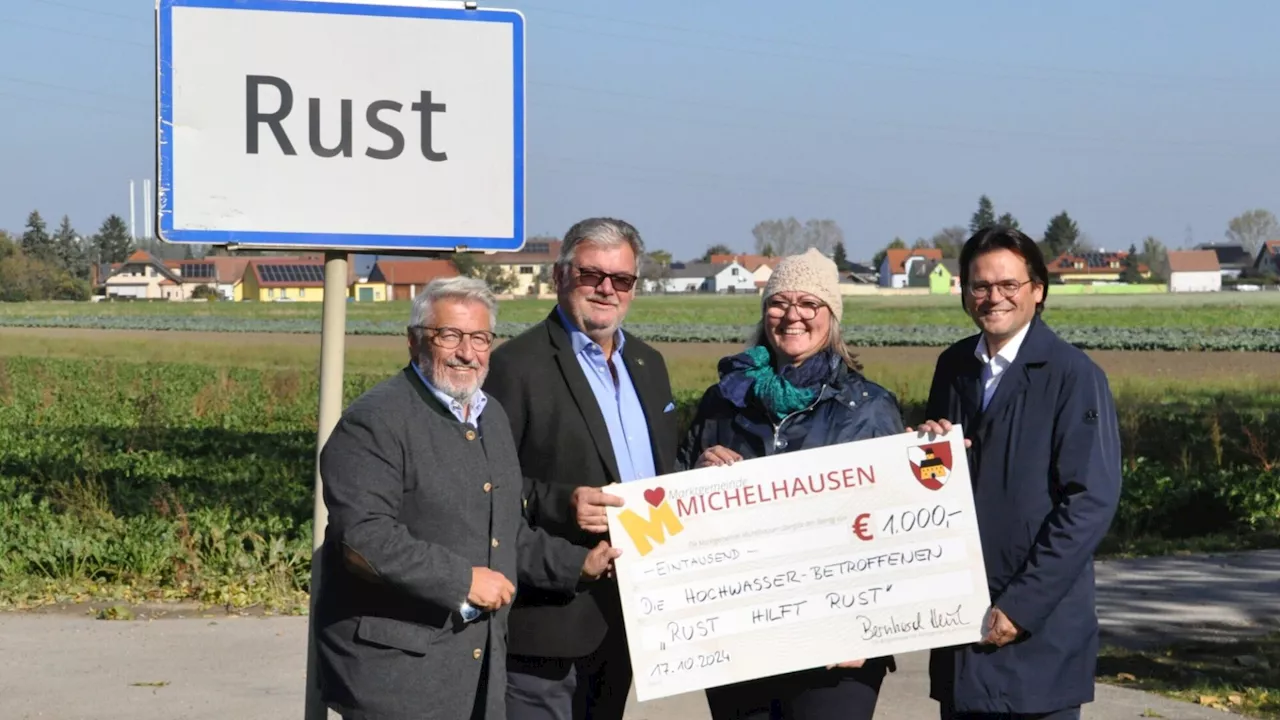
{"x": 426, "y": 536}
{"x": 589, "y": 405}
{"x": 1044, "y": 454}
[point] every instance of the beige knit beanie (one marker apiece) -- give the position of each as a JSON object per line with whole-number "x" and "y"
{"x": 811, "y": 272}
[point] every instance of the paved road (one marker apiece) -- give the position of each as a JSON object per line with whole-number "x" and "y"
{"x": 1203, "y": 597}
{"x": 55, "y": 666}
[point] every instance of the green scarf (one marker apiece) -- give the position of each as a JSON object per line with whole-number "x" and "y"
{"x": 753, "y": 372}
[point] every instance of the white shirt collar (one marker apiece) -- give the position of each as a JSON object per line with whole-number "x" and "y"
{"x": 1007, "y": 353}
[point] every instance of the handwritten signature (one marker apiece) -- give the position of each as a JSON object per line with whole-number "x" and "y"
{"x": 938, "y": 620}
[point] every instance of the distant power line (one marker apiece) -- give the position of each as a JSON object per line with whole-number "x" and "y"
{"x": 736, "y": 114}
{"x": 64, "y": 31}
{"x": 37, "y": 102}
{"x": 668, "y": 178}
{"x": 763, "y": 46}
{"x": 52, "y": 86}
{"x": 81, "y": 8}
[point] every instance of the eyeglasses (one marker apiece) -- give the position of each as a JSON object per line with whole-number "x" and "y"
{"x": 1008, "y": 288}
{"x": 622, "y": 282}
{"x": 449, "y": 338}
{"x": 808, "y": 309}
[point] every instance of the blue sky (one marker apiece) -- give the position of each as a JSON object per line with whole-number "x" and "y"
{"x": 696, "y": 120}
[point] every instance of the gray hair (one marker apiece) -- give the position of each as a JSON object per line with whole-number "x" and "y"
{"x": 454, "y": 288}
{"x": 600, "y": 231}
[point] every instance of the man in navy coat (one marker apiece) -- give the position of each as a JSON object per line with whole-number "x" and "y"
{"x": 1044, "y": 456}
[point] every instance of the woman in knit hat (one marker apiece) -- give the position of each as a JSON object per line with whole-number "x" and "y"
{"x": 797, "y": 386}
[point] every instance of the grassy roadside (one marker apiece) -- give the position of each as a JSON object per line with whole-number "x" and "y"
{"x": 1114, "y": 548}
{"x": 1239, "y": 676}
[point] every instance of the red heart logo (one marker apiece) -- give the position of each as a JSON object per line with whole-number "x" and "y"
{"x": 654, "y": 496}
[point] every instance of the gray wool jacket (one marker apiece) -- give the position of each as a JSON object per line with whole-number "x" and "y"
{"x": 417, "y": 499}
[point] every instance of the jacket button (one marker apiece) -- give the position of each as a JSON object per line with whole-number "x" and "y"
{"x": 488, "y": 487}
{"x": 495, "y": 542}
{"x": 476, "y": 653}
{"x": 471, "y": 434}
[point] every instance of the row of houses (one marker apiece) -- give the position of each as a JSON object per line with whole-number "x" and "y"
{"x": 300, "y": 278}
{"x": 925, "y": 268}
{"x": 1205, "y": 268}
{"x": 1198, "y": 270}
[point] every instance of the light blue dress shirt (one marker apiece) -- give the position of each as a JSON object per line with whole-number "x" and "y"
{"x": 619, "y": 403}
{"x": 478, "y": 401}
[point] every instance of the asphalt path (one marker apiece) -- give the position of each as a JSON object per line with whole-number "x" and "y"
{"x": 194, "y": 666}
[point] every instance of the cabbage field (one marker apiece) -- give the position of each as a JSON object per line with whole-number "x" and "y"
{"x": 1217, "y": 321}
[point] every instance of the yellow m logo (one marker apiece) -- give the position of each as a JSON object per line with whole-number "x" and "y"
{"x": 643, "y": 530}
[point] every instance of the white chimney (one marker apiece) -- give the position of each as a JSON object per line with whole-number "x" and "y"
{"x": 133, "y": 225}
{"x": 146, "y": 208}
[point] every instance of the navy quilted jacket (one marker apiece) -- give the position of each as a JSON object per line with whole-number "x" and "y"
{"x": 848, "y": 407}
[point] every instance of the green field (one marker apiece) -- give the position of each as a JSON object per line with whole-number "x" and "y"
{"x": 1218, "y": 321}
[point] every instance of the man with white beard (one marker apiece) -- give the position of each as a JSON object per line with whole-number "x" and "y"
{"x": 426, "y": 536}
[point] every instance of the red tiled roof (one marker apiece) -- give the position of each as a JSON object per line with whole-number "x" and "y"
{"x": 230, "y": 269}
{"x": 1193, "y": 261}
{"x": 411, "y": 272}
{"x": 141, "y": 257}
{"x": 526, "y": 255}
{"x": 750, "y": 262}
{"x": 1093, "y": 263}
{"x": 898, "y": 257}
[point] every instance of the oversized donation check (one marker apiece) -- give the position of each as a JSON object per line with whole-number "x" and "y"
{"x": 797, "y": 561}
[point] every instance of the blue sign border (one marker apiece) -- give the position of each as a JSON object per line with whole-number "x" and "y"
{"x": 164, "y": 188}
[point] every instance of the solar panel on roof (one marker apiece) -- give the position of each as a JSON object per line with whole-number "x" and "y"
{"x": 291, "y": 273}
{"x": 196, "y": 270}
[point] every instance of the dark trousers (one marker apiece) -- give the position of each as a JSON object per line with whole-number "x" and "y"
{"x": 819, "y": 694}
{"x": 594, "y": 687}
{"x": 947, "y": 713}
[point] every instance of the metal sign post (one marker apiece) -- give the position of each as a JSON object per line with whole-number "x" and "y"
{"x": 333, "y": 335}
{"x": 356, "y": 125}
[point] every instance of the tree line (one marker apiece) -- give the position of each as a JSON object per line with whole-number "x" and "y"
{"x": 44, "y": 265}
{"x": 1063, "y": 235}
